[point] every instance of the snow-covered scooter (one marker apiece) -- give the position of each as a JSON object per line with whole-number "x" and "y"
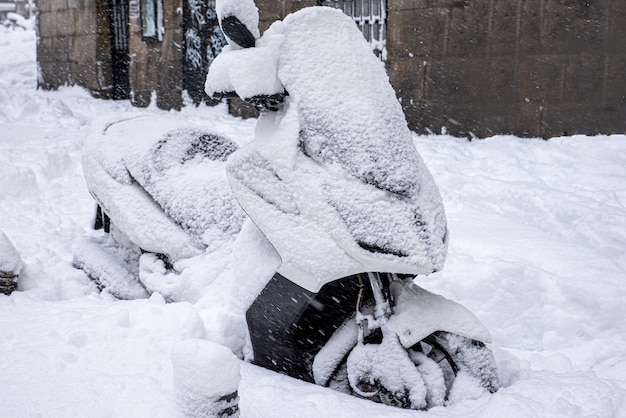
{"x": 334, "y": 183}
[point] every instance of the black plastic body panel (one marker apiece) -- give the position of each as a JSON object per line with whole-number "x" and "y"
{"x": 289, "y": 325}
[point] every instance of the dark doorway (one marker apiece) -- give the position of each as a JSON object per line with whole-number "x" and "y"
{"x": 118, "y": 16}
{"x": 203, "y": 41}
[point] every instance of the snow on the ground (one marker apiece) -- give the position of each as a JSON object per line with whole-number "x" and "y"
{"x": 537, "y": 252}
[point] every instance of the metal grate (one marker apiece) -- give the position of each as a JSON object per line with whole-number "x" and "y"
{"x": 370, "y": 16}
{"x": 118, "y": 12}
{"x": 120, "y": 60}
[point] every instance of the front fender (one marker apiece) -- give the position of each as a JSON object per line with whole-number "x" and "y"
{"x": 418, "y": 313}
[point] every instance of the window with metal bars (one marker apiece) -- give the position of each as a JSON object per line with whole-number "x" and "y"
{"x": 370, "y": 16}
{"x": 151, "y": 20}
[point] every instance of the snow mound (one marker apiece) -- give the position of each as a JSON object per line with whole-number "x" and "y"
{"x": 10, "y": 261}
{"x": 206, "y": 379}
{"x": 112, "y": 268}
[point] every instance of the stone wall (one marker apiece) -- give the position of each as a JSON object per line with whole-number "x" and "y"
{"x": 74, "y": 48}
{"x": 527, "y": 67}
{"x": 273, "y": 10}
{"x": 156, "y": 66}
{"x": 482, "y": 67}
{"x": 74, "y": 45}
{"x": 472, "y": 67}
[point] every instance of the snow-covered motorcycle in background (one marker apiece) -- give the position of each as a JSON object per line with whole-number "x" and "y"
{"x": 332, "y": 181}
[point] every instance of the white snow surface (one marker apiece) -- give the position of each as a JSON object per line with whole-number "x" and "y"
{"x": 537, "y": 252}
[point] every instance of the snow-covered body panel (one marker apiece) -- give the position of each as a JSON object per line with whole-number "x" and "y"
{"x": 333, "y": 180}
{"x": 349, "y": 111}
{"x": 228, "y": 74}
{"x": 167, "y": 192}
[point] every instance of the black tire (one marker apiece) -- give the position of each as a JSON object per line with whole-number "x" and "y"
{"x": 456, "y": 355}
{"x": 465, "y": 355}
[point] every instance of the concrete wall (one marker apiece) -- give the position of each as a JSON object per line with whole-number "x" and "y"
{"x": 528, "y": 67}
{"x": 74, "y": 45}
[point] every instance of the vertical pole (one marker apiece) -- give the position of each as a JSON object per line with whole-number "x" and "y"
{"x": 382, "y": 308}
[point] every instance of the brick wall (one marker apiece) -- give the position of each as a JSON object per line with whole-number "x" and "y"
{"x": 528, "y": 67}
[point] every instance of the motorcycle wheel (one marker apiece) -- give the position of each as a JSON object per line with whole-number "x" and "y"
{"x": 446, "y": 368}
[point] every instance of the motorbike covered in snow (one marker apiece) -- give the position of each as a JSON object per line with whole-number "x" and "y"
{"x": 333, "y": 182}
